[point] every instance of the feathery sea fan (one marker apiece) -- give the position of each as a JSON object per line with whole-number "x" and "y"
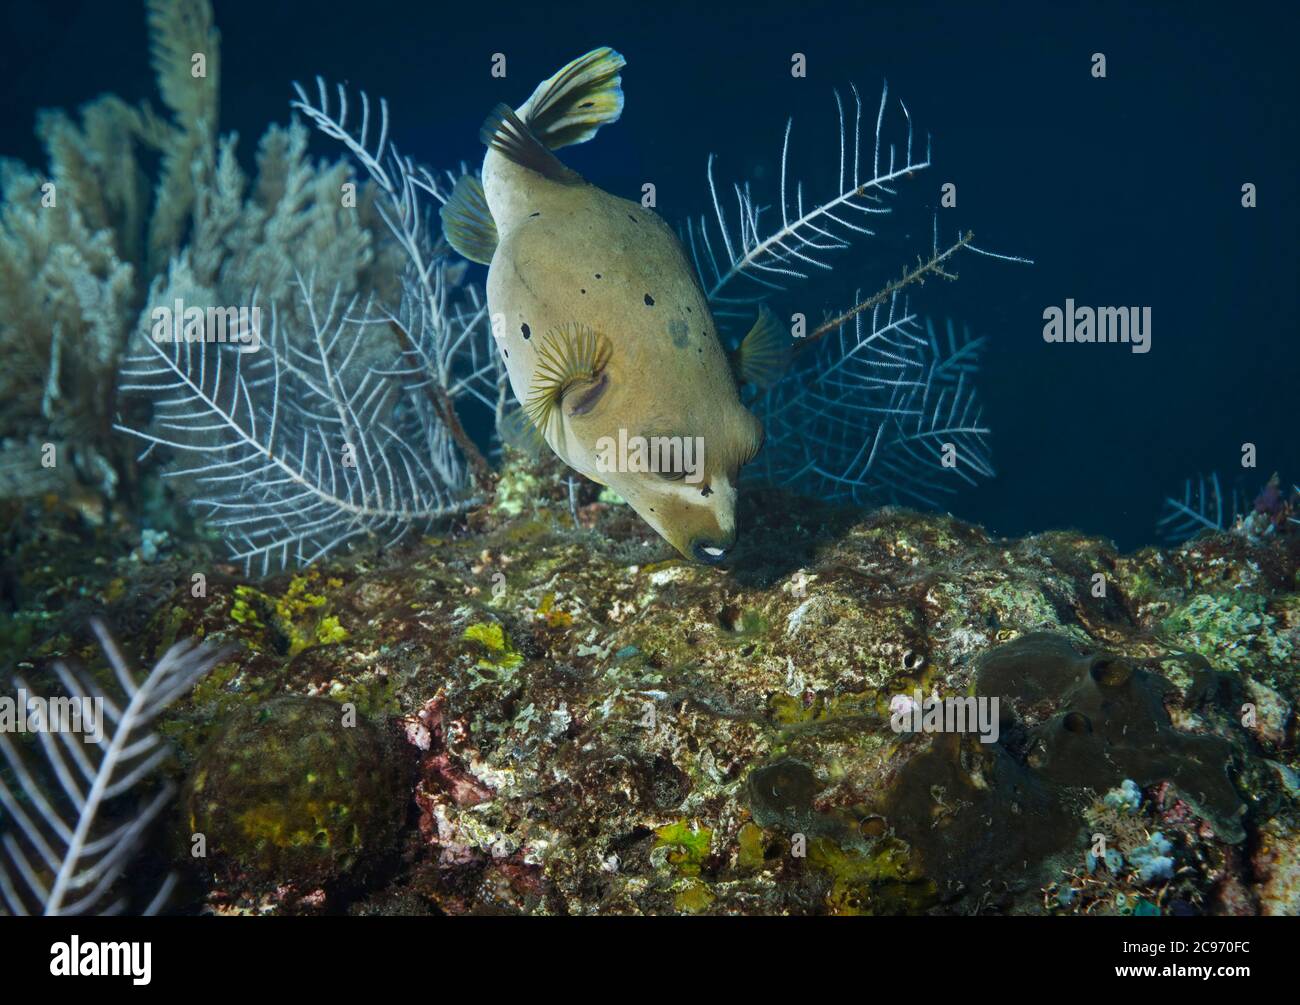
{"x": 1204, "y": 506}
{"x": 61, "y": 855}
{"x": 875, "y": 406}
{"x": 883, "y": 410}
{"x": 339, "y": 420}
{"x": 302, "y": 446}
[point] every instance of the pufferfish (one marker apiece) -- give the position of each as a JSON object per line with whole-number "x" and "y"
{"x": 606, "y": 335}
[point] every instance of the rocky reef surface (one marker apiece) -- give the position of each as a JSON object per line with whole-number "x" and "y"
{"x": 560, "y": 717}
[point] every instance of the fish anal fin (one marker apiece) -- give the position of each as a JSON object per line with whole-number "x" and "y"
{"x": 518, "y": 432}
{"x": 764, "y": 353}
{"x": 467, "y": 222}
{"x": 509, "y": 135}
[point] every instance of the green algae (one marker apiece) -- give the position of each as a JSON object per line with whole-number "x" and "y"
{"x": 687, "y": 845}
{"x": 751, "y": 845}
{"x": 293, "y": 621}
{"x": 500, "y": 653}
{"x": 879, "y": 879}
{"x": 694, "y": 897}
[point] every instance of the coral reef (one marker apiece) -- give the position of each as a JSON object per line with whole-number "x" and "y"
{"x": 521, "y": 701}
{"x": 598, "y": 726}
{"x": 1205, "y": 506}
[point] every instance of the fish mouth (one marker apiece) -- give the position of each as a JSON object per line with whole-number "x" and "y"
{"x": 710, "y": 552}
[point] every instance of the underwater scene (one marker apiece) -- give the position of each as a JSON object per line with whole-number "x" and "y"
{"x": 648, "y": 459}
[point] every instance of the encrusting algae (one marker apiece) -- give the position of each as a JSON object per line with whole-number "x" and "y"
{"x": 602, "y": 735}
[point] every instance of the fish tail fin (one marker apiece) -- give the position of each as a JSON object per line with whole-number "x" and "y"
{"x": 764, "y": 353}
{"x": 508, "y": 134}
{"x": 467, "y": 222}
{"x": 571, "y": 106}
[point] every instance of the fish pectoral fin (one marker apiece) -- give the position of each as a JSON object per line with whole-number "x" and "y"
{"x": 566, "y": 356}
{"x": 583, "y": 96}
{"x": 764, "y": 353}
{"x": 508, "y": 134}
{"x": 467, "y": 222}
{"x": 518, "y": 432}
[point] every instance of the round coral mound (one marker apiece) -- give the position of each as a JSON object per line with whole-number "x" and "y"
{"x": 294, "y": 791}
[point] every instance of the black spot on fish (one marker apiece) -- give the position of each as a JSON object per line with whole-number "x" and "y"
{"x": 679, "y": 333}
{"x": 507, "y": 353}
{"x": 631, "y": 217}
{"x": 582, "y": 291}
{"x": 538, "y": 213}
{"x": 688, "y": 310}
{"x": 649, "y": 300}
{"x": 528, "y": 332}
{"x": 706, "y": 492}
{"x": 597, "y": 275}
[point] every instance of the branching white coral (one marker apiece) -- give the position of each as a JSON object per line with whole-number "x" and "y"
{"x": 882, "y": 410}
{"x": 460, "y": 364}
{"x": 1203, "y": 506}
{"x": 341, "y": 422}
{"x": 875, "y": 407}
{"x": 733, "y": 245}
{"x": 60, "y": 856}
{"x": 448, "y": 342}
{"x": 301, "y": 446}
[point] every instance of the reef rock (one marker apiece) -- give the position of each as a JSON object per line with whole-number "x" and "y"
{"x": 293, "y": 792}
{"x": 598, "y": 726}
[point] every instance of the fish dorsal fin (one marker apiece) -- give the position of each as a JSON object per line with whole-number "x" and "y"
{"x": 764, "y": 353}
{"x": 571, "y": 106}
{"x": 467, "y": 222}
{"x": 506, "y": 133}
{"x": 569, "y": 355}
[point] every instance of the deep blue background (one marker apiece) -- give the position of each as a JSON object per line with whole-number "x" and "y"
{"x": 1126, "y": 191}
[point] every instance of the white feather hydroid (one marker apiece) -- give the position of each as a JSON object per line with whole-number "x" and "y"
{"x": 58, "y": 858}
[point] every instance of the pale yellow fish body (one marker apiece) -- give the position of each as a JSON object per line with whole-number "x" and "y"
{"x": 571, "y": 258}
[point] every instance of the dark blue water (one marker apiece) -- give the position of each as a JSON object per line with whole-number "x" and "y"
{"x": 1126, "y": 191}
